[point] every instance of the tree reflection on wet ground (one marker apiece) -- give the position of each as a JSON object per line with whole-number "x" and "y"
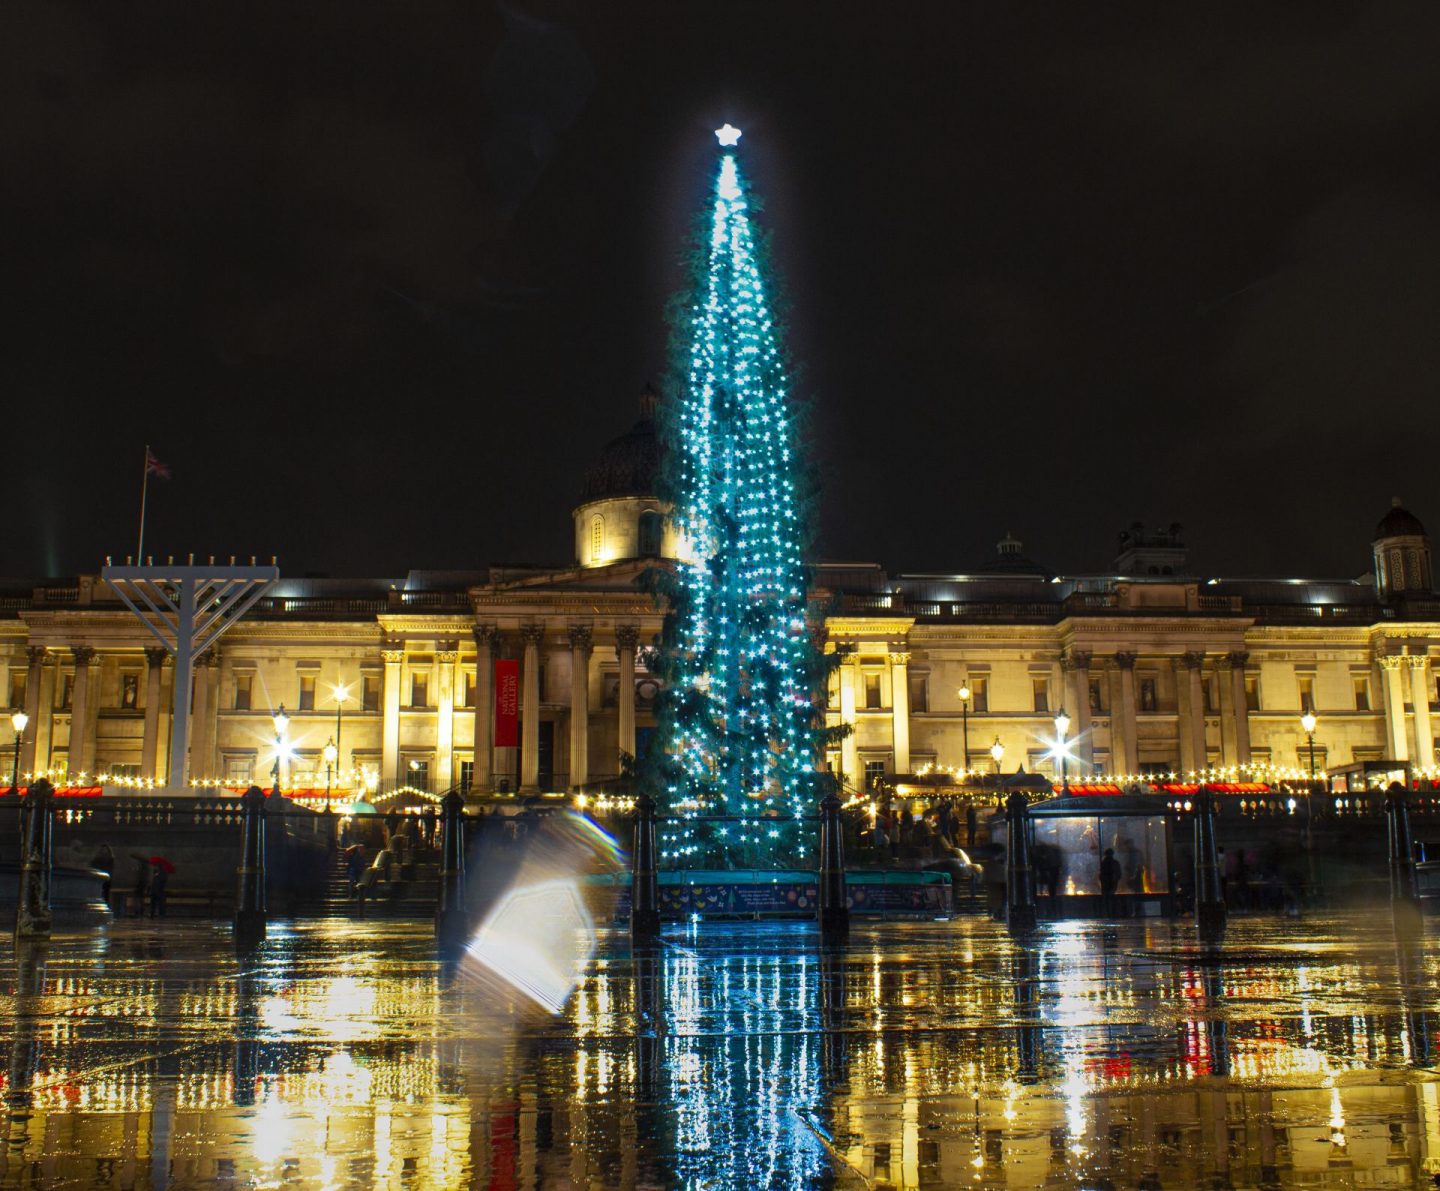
{"x": 744, "y": 1054}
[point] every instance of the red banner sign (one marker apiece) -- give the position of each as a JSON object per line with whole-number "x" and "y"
{"x": 507, "y": 703}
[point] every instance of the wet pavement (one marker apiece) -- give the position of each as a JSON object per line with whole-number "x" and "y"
{"x": 738, "y": 1055}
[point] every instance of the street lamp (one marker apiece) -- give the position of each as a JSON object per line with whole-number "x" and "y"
{"x": 997, "y": 752}
{"x": 1062, "y": 728}
{"x": 965, "y": 721}
{"x": 18, "y": 722}
{"x": 342, "y": 696}
{"x": 331, "y": 754}
{"x": 281, "y": 721}
{"x": 1307, "y": 722}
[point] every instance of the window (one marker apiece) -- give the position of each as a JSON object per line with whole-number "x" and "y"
{"x": 467, "y": 688}
{"x": 370, "y": 693}
{"x": 419, "y": 690}
{"x": 243, "y": 684}
{"x": 651, "y": 531}
{"x": 467, "y": 774}
{"x": 1252, "y": 695}
{"x": 119, "y": 769}
{"x": 1041, "y": 690}
{"x": 307, "y": 692}
{"x": 597, "y": 537}
{"x": 17, "y": 690}
{"x": 1097, "y": 701}
{"x": 919, "y": 692}
{"x": 979, "y": 695}
{"x": 129, "y": 691}
{"x": 239, "y": 769}
{"x": 874, "y": 771}
{"x": 1208, "y": 686}
{"x": 1306, "y": 683}
{"x": 417, "y": 773}
{"x": 872, "y": 690}
{"x": 64, "y": 689}
{"x": 1362, "y": 692}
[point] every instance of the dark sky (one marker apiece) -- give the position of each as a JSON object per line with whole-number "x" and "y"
{"x": 377, "y": 279}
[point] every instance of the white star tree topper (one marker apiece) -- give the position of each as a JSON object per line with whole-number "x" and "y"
{"x": 729, "y": 136}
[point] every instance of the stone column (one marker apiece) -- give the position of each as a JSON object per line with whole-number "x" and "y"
{"x": 849, "y": 754}
{"x": 201, "y": 739}
{"x": 35, "y": 708}
{"x": 900, "y": 709}
{"x": 487, "y": 645}
{"x": 532, "y": 635}
{"x": 1076, "y": 665}
{"x": 1127, "y": 736}
{"x": 149, "y": 747}
{"x": 390, "y": 735}
{"x": 1193, "y": 662}
{"x": 627, "y": 636}
{"x": 1395, "y": 708}
{"x": 580, "y": 643}
{"x": 79, "y": 749}
{"x": 1420, "y": 698}
{"x": 445, "y": 716}
{"x": 1240, "y": 709}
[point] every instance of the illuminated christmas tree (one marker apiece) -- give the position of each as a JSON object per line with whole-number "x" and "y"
{"x": 739, "y": 718}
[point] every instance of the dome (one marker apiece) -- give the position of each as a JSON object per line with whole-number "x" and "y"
{"x": 1009, "y": 559}
{"x": 629, "y": 464}
{"x": 1399, "y": 522}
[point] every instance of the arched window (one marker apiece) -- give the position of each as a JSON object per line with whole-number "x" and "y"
{"x": 651, "y": 528}
{"x": 597, "y": 538}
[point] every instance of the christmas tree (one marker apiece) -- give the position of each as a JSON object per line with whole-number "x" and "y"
{"x": 738, "y": 719}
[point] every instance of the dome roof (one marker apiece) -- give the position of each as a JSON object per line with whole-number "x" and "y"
{"x": 1399, "y": 522}
{"x": 1009, "y": 559}
{"x": 629, "y": 464}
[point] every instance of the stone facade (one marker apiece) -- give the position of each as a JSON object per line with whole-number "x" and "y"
{"x": 1158, "y": 672}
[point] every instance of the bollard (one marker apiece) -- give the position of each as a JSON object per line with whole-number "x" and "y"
{"x": 250, "y": 876}
{"x": 1019, "y": 876}
{"x": 833, "y": 913}
{"x": 32, "y": 909}
{"x": 1404, "y": 895}
{"x": 1210, "y": 910}
{"x": 452, "y": 920}
{"x": 644, "y": 880}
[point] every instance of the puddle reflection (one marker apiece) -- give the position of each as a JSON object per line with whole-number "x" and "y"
{"x": 921, "y": 1054}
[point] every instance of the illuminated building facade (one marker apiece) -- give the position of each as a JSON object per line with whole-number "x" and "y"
{"x": 1158, "y": 670}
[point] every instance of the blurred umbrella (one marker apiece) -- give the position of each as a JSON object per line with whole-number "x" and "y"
{"x": 162, "y": 864}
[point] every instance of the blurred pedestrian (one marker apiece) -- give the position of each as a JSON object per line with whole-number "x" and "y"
{"x": 104, "y": 860}
{"x": 159, "y": 879}
{"x": 1109, "y": 880}
{"x": 142, "y": 883}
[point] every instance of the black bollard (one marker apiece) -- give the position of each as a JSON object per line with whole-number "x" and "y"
{"x": 1404, "y": 894}
{"x": 1019, "y": 876}
{"x": 452, "y": 920}
{"x": 250, "y": 916}
{"x": 1210, "y": 913}
{"x": 32, "y": 910}
{"x": 833, "y": 912}
{"x": 644, "y": 879}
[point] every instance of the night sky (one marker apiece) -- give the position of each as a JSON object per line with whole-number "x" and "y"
{"x": 377, "y": 280}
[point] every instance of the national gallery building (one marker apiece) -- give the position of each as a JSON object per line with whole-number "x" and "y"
{"x": 535, "y": 678}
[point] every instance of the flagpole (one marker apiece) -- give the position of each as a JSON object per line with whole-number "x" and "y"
{"x": 144, "y": 491}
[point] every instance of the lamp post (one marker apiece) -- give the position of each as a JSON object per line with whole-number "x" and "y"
{"x": 281, "y": 721}
{"x": 965, "y": 721}
{"x": 997, "y": 753}
{"x": 18, "y": 722}
{"x": 1307, "y": 722}
{"x": 331, "y": 753}
{"x": 342, "y": 696}
{"x": 1062, "y": 728}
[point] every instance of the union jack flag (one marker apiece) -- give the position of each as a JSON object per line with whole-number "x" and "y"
{"x": 153, "y": 467}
